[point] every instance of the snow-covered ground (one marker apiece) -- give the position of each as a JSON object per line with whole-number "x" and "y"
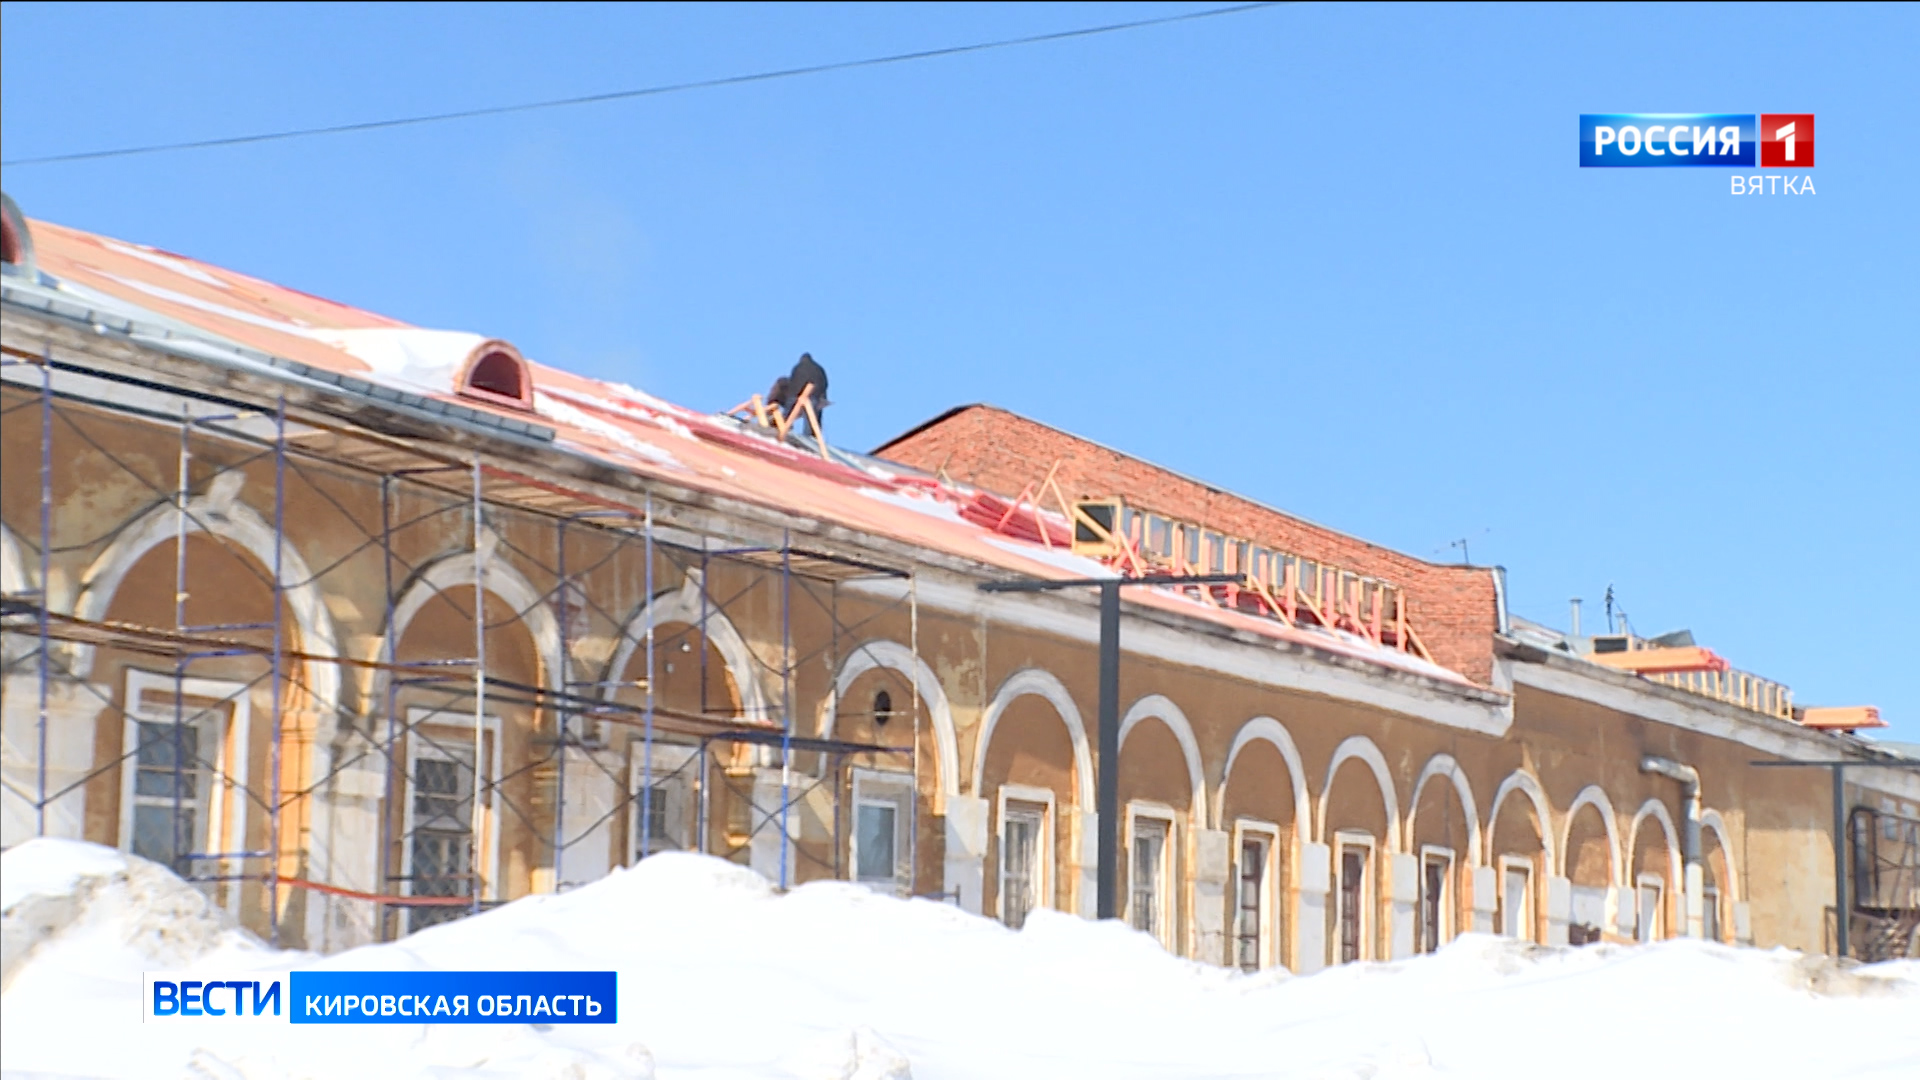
{"x": 720, "y": 976}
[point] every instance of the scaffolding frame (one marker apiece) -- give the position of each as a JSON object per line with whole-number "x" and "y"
{"x": 220, "y": 437}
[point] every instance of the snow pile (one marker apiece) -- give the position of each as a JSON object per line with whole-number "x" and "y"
{"x": 722, "y": 977}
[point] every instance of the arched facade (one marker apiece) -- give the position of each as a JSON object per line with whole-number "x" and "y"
{"x": 893, "y": 656}
{"x": 1362, "y": 749}
{"x": 1035, "y": 682}
{"x": 686, "y": 606}
{"x": 219, "y": 514}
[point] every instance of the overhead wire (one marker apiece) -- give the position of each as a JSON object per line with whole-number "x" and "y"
{"x": 640, "y": 92}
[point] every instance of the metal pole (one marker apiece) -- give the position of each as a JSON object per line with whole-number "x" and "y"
{"x": 562, "y": 709}
{"x": 46, "y": 567}
{"x": 646, "y": 748}
{"x": 279, "y": 644}
{"x": 1841, "y": 908}
{"x": 389, "y": 649}
{"x": 475, "y": 819}
{"x": 179, "y": 624}
{"x": 1108, "y": 768}
{"x": 786, "y": 694}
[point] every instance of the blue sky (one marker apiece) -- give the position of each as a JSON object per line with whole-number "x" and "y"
{"x": 1338, "y": 258}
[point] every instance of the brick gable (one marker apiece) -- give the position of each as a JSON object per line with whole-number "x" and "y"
{"x": 1453, "y": 608}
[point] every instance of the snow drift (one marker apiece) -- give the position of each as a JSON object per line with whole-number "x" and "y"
{"x": 721, "y": 976}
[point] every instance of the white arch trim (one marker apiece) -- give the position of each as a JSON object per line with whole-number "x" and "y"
{"x": 1042, "y": 684}
{"x": 1362, "y": 748}
{"x": 1657, "y": 810}
{"x": 683, "y": 606}
{"x": 219, "y": 513}
{"x": 15, "y": 575}
{"x": 1159, "y": 707}
{"x": 1524, "y": 782}
{"x": 1444, "y": 765}
{"x": 1592, "y": 795}
{"x": 893, "y": 656}
{"x": 454, "y": 575}
{"x": 1710, "y": 819}
{"x": 1267, "y": 730}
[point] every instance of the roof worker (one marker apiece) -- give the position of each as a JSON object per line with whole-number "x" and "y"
{"x": 786, "y": 393}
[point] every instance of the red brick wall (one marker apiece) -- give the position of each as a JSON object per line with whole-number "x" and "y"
{"x": 1452, "y": 607}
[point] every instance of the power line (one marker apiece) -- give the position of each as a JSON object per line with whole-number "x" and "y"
{"x": 649, "y": 91}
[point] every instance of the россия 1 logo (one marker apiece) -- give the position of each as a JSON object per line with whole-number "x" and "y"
{"x": 1694, "y": 140}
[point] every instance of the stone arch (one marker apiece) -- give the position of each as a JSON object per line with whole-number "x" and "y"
{"x": 1593, "y": 796}
{"x": 895, "y": 657}
{"x": 684, "y": 606}
{"x": 1038, "y": 683}
{"x": 1159, "y": 707}
{"x": 1362, "y": 748}
{"x": 455, "y": 574}
{"x": 1711, "y": 821}
{"x": 1445, "y": 765}
{"x": 1524, "y": 782}
{"x": 17, "y": 576}
{"x": 1268, "y": 730}
{"x": 1657, "y": 810}
{"x": 218, "y": 513}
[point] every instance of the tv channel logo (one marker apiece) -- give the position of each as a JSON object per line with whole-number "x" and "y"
{"x": 1786, "y": 140}
{"x": 1666, "y": 140}
{"x": 382, "y": 997}
{"x": 1696, "y": 140}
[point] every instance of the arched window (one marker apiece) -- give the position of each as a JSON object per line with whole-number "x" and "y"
{"x": 16, "y": 243}
{"x": 882, "y": 708}
{"x": 497, "y": 374}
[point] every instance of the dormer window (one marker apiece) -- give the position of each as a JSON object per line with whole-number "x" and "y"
{"x": 16, "y": 243}
{"x": 497, "y": 374}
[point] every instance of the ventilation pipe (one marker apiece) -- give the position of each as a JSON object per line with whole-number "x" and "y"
{"x": 1693, "y": 891}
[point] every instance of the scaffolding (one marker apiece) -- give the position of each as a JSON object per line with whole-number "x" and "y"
{"x": 444, "y": 796}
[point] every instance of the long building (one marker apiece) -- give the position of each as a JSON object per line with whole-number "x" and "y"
{"x": 365, "y": 626}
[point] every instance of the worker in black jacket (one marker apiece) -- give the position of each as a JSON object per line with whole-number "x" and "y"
{"x": 787, "y": 390}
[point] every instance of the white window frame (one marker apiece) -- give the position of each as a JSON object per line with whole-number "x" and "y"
{"x": 671, "y": 772}
{"x": 1528, "y": 927}
{"x": 225, "y": 824}
{"x": 1043, "y": 888}
{"x": 1644, "y": 927}
{"x": 875, "y": 786}
{"x": 1169, "y": 870}
{"x": 1431, "y": 853}
{"x": 1369, "y": 893}
{"x": 459, "y": 725}
{"x": 1270, "y": 892}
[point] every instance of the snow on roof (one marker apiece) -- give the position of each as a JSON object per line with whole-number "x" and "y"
{"x": 617, "y": 424}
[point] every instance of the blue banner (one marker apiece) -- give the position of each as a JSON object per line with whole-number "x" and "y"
{"x": 1667, "y": 140}
{"x": 454, "y": 997}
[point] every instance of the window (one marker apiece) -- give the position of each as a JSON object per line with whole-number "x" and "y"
{"x": 876, "y": 840}
{"x": 178, "y": 797}
{"x": 1254, "y": 896}
{"x": 882, "y": 708}
{"x": 442, "y": 854}
{"x": 881, "y": 841}
{"x": 1652, "y": 895}
{"x": 663, "y": 802}
{"x": 1354, "y": 911}
{"x": 1150, "y": 873}
{"x": 1026, "y": 852}
{"x": 1516, "y": 898}
{"x": 1710, "y": 913}
{"x": 1436, "y": 899}
{"x": 497, "y": 374}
